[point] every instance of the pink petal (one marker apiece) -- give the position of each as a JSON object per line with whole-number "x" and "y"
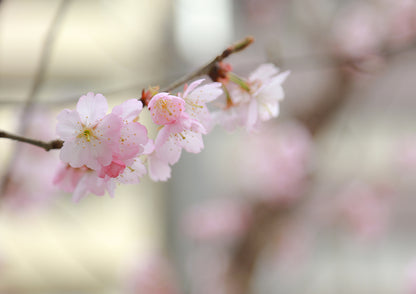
{"x": 129, "y": 110}
{"x": 205, "y": 93}
{"x": 91, "y": 107}
{"x": 133, "y": 173}
{"x": 113, "y": 170}
{"x": 132, "y": 140}
{"x": 252, "y": 115}
{"x": 159, "y": 170}
{"x": 166, "y": 109}
{"x": 68, "y": 125}
{"x": 264, "y": 72}
{"x": 191, "y": 87}
{"x": 192, "y": 142}
{"x": 170, "y": 151}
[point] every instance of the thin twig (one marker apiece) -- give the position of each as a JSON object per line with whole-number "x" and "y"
{"x": 204, "y": 70}
{"x": 55, "y": 144}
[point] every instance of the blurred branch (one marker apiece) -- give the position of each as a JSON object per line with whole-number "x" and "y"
{"x": 42, "y": 66}
{"x": 265, "y": 216}
{"x": 245, "y": 256}
{"x": 33, "y": 93}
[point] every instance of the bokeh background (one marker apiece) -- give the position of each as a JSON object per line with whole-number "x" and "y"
{"x": 319, "y": 201}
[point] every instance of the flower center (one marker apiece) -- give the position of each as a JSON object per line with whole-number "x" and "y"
{"x": 87, "y": 134}
{"x": 163, "y": 105}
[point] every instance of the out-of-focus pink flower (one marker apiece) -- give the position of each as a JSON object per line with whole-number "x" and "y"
{"x": 410, "y": 278}
{"x": 90, "y": 136}
{"x": 273, "y": 164}
{"x": 406, "y": 154}
{"x": 401, "y": 18}
{"x": 365, "y": 209}
{"x": 257, "y": 101}
{"x": 218, "y": 220}
{"x": 152, "y": 274}
{"x": 30, "y": 183}
{"x": 359, "y": 31}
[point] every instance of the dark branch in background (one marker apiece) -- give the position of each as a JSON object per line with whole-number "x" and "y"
{"x": 33, "y": 93}
{"x": 266, "y": 218}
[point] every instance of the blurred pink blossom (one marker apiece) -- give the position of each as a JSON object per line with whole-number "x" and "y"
{"x": 358, "y": 31}
{"x": 217, "y": 220}
{"x": 406, "y": 154}
{"x": 30, "y": 184}
{"x": 152, "y": 274}
{"x": 401, "y": 16}
{"x": 273, "y": 164}
{"x": 410, "y": 278}
{"x": 254, "y": 99}
{"x": 365, "y": 208}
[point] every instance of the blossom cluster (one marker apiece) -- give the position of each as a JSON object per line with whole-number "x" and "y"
{"x": 103, "y": 149}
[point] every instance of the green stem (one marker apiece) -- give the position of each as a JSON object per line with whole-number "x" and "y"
{"x": 239, "y": 81}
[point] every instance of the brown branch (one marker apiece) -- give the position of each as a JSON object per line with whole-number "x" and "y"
{"x": 54, "y": 144}
{"x": 204, "y": 70}
{"x": 57, "y": 144}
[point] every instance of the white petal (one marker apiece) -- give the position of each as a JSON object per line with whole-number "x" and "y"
{"x": 92, "y": 107}
{"x": 206, "y": 93}
{"x": 69, "y": 124}
{"x": 129, "y": 110}
{"x": 159, "y": 170}
{"x": 264, "y": 72}
{"x": 252, "y": 115}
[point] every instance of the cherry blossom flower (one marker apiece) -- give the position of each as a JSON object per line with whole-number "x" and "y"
{"x": 124, "y": 142}
{"x": 90, "y": 136}
{"x": 197, "y": 96}
{"x": 254, "y": 100}
{"x": 133, "y": 142}
{"x": 179, "y": 131}
{"x": 81, "y": 181}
